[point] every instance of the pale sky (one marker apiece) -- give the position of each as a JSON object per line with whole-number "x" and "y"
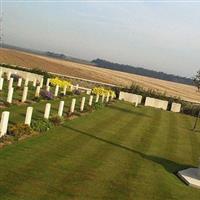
{"x": 164, "y": 36}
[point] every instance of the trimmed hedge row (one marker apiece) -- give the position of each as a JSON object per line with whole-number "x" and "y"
{"x": 186, "y": 108}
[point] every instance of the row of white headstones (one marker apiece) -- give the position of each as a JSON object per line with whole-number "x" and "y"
{"x": 25, "y": 90}
{"x": 5, "y": 115}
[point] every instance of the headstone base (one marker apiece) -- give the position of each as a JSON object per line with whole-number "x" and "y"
{"x": 190, "y": 176}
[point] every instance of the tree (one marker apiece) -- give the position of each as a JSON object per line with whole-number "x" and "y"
{"x": 196, "y": 80}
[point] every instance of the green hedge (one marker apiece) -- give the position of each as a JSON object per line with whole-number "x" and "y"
{"x": 187, "y": 107}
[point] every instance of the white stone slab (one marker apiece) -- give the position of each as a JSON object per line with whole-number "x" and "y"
{"x": 97, "y": 98}
{"x": 72, "y": 107}
{"x": 4, "y": 123}
{"x": 176, "y": 107}
{"x": 191, "y": 177}
{"x": 82, "y": 104}
{"x": 47, "y": 111}
{"x": 28, "y": 117}
{"x": 25, "y": 93}
{"x": 37, "y": 91}
{"x": 1, "y": 83}
{"x": 90, "y": 100}
{"x": 10, "y": 84}
{"x": 156, "y": 103}
{"x": 41, "y": 82}
{"x": 48, "y": 81}
{"x": 102, "y": 98}
{"x": 47, "y": 88}
{"x": 10, "y": 95}
{"x": 60, "y": 109}
{"x": 107, "y": 97}
{"x": 56, "y": 91}
{"x": 64, "y": 90}
{"x": 26, "y": 82}
{"x": 19, "y": 82}
{"x": 34, "y": 82}
{"x": 21, "y": 73}
{"x": 129, "y": 97}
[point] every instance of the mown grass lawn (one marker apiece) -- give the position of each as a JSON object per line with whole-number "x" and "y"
{"x": 118, "y": 152}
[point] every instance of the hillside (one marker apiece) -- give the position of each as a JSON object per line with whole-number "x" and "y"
{"x": 186, "y": 92}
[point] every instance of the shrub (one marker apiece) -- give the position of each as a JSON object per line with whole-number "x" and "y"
{"x": 6, "y": 139}
{"x": 15, "y": 77}
{"x": 98, "y": 105}
{"x": 20, "y": 129}
{"x": 56, "y": 120}
{"x": 60, "y": 83}
{"x": 103, "y": 91}
{"x": 69, "y": 93}
{"x": 77, "y": 92}
{"x": 41, "y": 125}
{"x": 46, "y": 94}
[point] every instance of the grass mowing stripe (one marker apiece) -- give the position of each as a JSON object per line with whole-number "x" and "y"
{"x": 148, "y": 137}
{"x": 37, "y": 159}
{"x": 192, "y": 138}
{"x": 164, "y": 145}
{"x": 123, "y": 159}
{"x": 102, "y": 151}
{"x": 94, "y": 169}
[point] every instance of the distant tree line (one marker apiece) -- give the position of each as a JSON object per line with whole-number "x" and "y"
{"x": 141, "y": 71}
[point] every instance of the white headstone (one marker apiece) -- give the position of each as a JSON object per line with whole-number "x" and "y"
{"x": 41, "y": 82}
{"x": 1, "y": 83}
{"x": 19, "y": 82}
{"x": 129, "y": 97}
{"x": 48, "y": 88}
{"x": 64, "y": 90}
{"x": 10, "y": 95}
{"x": 34, "y": 82}
{"x": 90, "y": 100}
{"x": 26, "y": 82}
{"x": 73, "y": 105}
{"x": 137, "y": 101}
{"x": 112, "y": 97}
{"x": 28, "y": 117}
{"x": 97, "y": 98}
{"x": 176, "y": 107}
{"x": 37, "y": 92}
{"x": 82, "y": 104}
{"x": 156, "y": 103}
{"x": 88, "y": 92}
{"x": 24, "y": 95}
{"x": 103, "y": 97}
{"x": 10, "y": 84}
{"x": 77, "y": 86}
{"x": 48, "y": 81}
{"x": 60, "y": 109}
{"x": 8, "y": 76}
{"x": 47, "y": 111}
{"x": 4, "y": 123}
{"x": 107, "y": 97}
{"x": 56, "y": 91}
{"x": 71, "y": 87}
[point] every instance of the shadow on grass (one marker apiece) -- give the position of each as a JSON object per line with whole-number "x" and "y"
{"x": 128, "y": 110}
{"x": 170, "y": 166}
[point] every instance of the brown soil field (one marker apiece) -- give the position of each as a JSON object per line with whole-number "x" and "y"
{"x": 24, "y": 59}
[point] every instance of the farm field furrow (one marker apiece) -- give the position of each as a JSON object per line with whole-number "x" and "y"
{"x": 186, "y": 92}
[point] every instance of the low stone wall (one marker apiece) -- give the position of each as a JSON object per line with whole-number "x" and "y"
{"x": 176, "y": 107}
{"x": 25, "y": 75}
{"x": 156, "y": 103}
{"x": 132, "y": 98}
